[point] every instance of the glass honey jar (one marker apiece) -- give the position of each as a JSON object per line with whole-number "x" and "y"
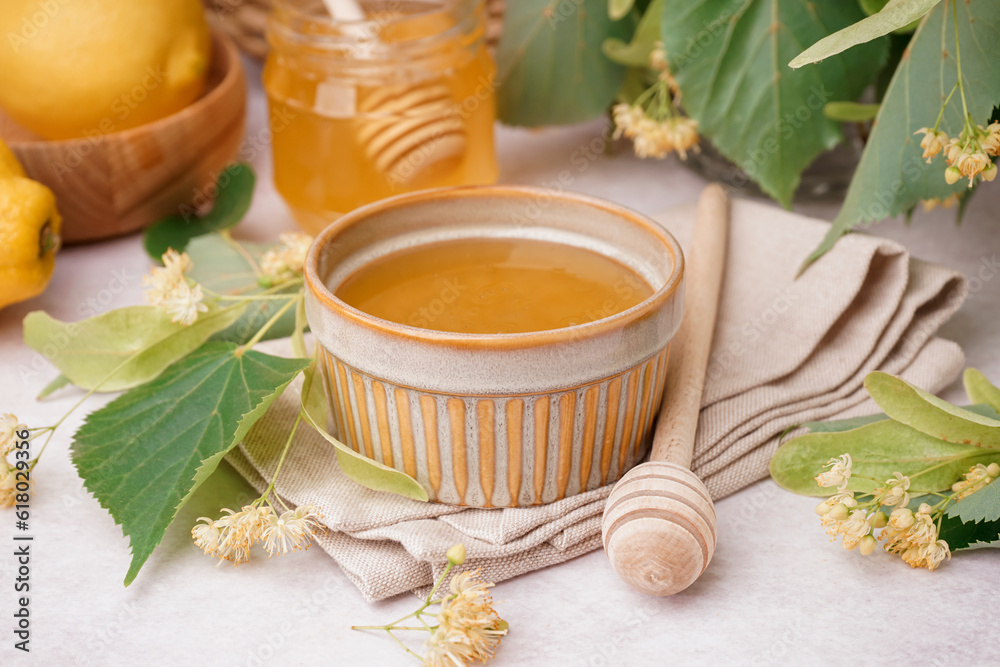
{"x": 400, "y": 101}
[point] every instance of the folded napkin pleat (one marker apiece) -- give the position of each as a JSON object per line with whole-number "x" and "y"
{"x": 786, "y": 350}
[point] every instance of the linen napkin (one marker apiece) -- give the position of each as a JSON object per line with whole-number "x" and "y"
{"x": 785, "y": 351}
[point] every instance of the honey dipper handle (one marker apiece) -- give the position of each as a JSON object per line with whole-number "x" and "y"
{"x": 673, "y": 440}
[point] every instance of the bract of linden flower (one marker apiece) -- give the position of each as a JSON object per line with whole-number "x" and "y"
{"x": 286, "y": 261}
{"x": 168, "y": 288}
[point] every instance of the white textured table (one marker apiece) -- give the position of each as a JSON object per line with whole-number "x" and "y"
{"x": 776, "y": 593}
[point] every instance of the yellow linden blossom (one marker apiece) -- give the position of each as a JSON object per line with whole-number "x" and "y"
{"x": 948, "y": 202}
{"x": 168, "y": 288}
{"x": 287, "y": 260}
{"x": 8, "y": 484}
{"x": 839, "y": 473}
{"x": 978, "y": 476}
{"x": 469, "y": 628}
{"x": 292, "y": 530}
{"x": 932, "y": 143}
{"x": 10, "y": 426}
{"x": 653, "y": 138}
{"x": 232, "y": 536}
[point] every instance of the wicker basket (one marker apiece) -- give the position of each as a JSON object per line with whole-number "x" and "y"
{"x": 245, "y": 21}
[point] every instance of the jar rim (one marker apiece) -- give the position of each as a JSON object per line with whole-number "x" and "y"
{"x": 361, "y": 37}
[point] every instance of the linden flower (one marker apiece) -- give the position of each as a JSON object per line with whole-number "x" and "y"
{"x": 8, "y": 485}
{"x": 167, "y": 288}
{"x": 978, "y": 476}
{"x": 206, "y": 535}
{"x": 901, "y": 518}
{"x": 184, "y": 303}
{"x": 839, "y": 473}
{"x": 897, "y": 494}
{"x": 652, "y": 138}
{"x": 287, "y": 260}
{"x": 948, "y": 202}
{"x": 847, "y": 498}
{"x": 292, "y": 530}
{"x": 469, "y": 626}
{"x": 991, "y": 143}
{"x": 10, "y": 426}
{"x": 932, "y": 143}
{"x": 231, "y": 537}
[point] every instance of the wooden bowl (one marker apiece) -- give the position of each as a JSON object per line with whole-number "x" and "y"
{"x": 115, "y": 183}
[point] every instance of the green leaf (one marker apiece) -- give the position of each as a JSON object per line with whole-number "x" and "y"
{"x": 892, "y": 177}
{"x": 877, "y": 450}
{"x": 730, "y": 61}
{"x": 850, "y": 112}
{"x": 843, "y": 424}
{"x": 619, "y": 8}
{"x": 636, "y": 53}
{"x": 89, "y": 351}
{"x": 871, "y": 7}
{"x": 361, "y": 469}
{"x": 54, "y": 386}
{"x": 980, "y": 389}
{"x": 856, "y": 422}
{"x": 974, "y": 521}
{"x": 551, "y": 68}
{"x": 931, "y": 415}
{"x": 234, "y": 191}
{"x": 221, "y": 268}
{"x": 143, "y": 454}
{"x": 896, "y": 15}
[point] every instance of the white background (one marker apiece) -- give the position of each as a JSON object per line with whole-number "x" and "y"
{"x": 777, "y": 591}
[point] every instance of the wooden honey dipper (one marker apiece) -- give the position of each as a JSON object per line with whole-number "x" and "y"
{"x": 659, "y": 526}
{"x": 405, "y": 129}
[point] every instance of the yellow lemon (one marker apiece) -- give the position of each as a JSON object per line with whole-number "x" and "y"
{"x": 9, "y": 166}
{"x": 74, "y": 68}
{"x": 29, "y": 238}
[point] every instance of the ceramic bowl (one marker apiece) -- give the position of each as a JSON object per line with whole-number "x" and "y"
{"x": 116, "y": 182}
{"x": 496, "y": 420}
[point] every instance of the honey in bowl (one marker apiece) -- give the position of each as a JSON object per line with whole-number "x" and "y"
{"x": 494, "y": 286}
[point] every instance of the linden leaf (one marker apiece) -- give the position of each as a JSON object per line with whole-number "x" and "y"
{"x": 222, "y": 269}
{"x": 89, "y": 351}
{"x": 143, "y": 454}
{"x": 931, "y": 415}
{"x": 895, "y": 15}
{"x": 974, "y": 521}
{"x": 550, "y": 66}
{"x": 877, "y": 450}
{"x": 892, "y": 177}
{"x": 980, "y": 389}
{"x": 363, "y": 470}
{"x": 729, "y": 59}
{"x": 234, "y": 191}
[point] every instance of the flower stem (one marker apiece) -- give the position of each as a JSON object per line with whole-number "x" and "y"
{"x": 281, "y": 462}
{"x": 958, "y": 62}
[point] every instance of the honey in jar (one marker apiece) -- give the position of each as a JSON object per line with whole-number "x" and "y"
{"x": 494, "y": 285}
{"x": 359, "y": 111}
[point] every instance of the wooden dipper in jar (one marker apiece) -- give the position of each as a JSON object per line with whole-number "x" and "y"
{"x": 659, "y": 527}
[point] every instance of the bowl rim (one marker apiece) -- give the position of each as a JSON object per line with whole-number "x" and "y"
{"x": 233, "y": 73}
{"x": 502, "y": 341}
